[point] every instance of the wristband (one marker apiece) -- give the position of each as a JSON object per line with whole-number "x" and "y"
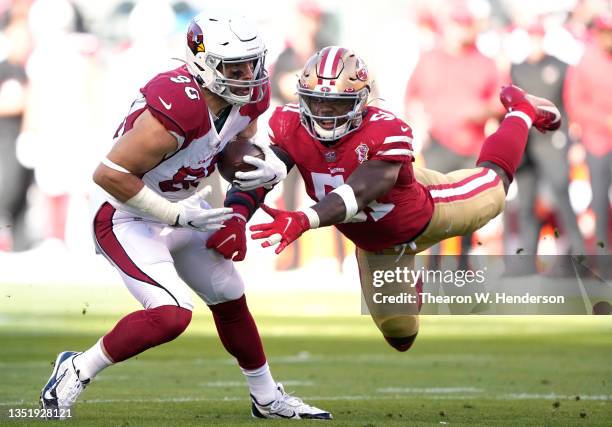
{"x": 348, "y": 197}
{"x": 239, "y": 216}
{"x": 313, "y": 217}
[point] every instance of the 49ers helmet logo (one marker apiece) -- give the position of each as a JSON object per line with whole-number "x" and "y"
{"x": 362, "y": 71}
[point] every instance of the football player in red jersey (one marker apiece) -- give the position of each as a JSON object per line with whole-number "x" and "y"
{"x": 356, "y": 161}
{"x": 155, "y": 226}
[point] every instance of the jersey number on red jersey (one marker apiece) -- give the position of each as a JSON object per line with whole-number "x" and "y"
{"x": 325, "y": 183}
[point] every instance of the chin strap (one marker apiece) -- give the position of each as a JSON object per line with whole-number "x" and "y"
{"x": 196, "y": 77}
{"x": 324, "y": 133}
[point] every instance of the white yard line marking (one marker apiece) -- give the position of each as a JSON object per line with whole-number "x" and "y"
{"x": 432, "y": 390}
{"x": 508, "y": 396}
{"x": 221, "y": 384}
{"x": 302, "y": 357}
{"x": 551, "y": 396}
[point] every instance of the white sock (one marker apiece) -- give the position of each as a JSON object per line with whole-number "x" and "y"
{"x": 261, "y": 384}
{"x": 91, "y": 361}
{"x": 523, "y": 116}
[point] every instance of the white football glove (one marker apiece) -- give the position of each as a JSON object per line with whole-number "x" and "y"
{"x": 195, "y": 212}
{"x": 269, "y": 172}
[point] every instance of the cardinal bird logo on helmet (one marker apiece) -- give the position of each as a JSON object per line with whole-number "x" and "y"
{"x": 195, "y": 39}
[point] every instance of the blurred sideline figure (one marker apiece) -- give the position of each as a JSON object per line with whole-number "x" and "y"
{"x": 450, "y": 100}
{"x": 356, "y": 161}
{"x": 156, "y": 228}
{"x": 545, "y": 157}
{"x": 589, "y": 104}
{"x": 14, "y": 177}
{"x": 61, "y": 114}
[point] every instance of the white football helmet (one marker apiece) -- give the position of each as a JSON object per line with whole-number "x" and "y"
{"x": 215, "y": 43}
{"x": 333, "y": 75}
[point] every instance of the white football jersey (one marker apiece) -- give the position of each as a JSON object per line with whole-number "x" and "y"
{"x": 176, "y": 100}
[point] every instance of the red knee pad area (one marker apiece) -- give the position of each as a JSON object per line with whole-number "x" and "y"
{"x": 144, "y": 329}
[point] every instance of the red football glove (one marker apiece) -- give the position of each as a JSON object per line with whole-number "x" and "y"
{"x": 230, "y": 240}
{"x": 286, "y": 227}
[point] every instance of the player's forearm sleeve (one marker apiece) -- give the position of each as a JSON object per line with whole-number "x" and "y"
{"x": 245, "y": 202}
{"x": 151, "y": 203}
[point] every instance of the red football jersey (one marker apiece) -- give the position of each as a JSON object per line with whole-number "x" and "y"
{"x": 398, "y": 216}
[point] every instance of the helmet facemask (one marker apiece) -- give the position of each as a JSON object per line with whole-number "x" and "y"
{"x": 341, "y": 116}
{"x": 235, "y": 90}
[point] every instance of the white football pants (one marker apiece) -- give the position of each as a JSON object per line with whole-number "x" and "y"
{"x": 159, "y": 263}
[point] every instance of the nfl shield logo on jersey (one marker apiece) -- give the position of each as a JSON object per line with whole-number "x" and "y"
{"x": 362, "y": 152}
{"x": 330, "y": 156}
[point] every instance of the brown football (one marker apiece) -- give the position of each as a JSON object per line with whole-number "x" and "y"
{"x": 230, "y": 161}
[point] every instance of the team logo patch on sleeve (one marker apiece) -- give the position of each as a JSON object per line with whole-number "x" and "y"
{"x": 362, "y": 152}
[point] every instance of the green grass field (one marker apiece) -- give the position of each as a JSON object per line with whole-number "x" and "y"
{"x": 462, "y": 370}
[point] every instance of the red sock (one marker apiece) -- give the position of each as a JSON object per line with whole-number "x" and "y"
{"x": 238, "y": 332}
{"x": 144, "y": 329}
{"x": 505, "y": 147}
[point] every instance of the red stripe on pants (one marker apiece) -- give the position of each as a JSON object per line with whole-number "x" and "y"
{"x": 108, "y": 242}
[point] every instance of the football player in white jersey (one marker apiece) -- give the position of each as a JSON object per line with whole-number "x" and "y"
{"x": 155, "y": 226}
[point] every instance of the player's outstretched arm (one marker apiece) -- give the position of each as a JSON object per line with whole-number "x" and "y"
{"x": 136, "y": 152}
{"x": 369, "y": 181}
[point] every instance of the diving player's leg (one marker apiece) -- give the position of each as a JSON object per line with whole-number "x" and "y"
{"x": 465, "y": 200}
{"x": 503, "y": 150}
{"x": 399, "y": 323}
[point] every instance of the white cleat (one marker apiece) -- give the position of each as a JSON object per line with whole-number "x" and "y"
{"x": 287, "y": 407}
{"x": 63, "y": 388}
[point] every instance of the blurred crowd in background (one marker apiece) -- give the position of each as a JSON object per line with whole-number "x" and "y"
{"x": 69, "y": 71}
